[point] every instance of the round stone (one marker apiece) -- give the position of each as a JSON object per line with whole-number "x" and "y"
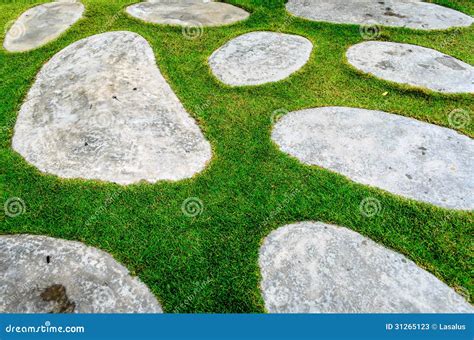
{"x": 404, "y": 156}
{"x": 312, "y": 267}
{"x": 45, "y": 275}
{"x": 412, "y": 65}
{"x": 397, "y": 13}
{"x": 42, "y": 24}
{"x": 100, "y": 109}
{"x": 260, "y": 57}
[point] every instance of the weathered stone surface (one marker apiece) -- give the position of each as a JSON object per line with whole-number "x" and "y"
{"x": 404, "y": 156}
{"x": 312, "y": 267}
{"x": 45, "y": 275}
{"x": 188, "y": 12}
{"x": 100, "y": 109}
{"x": 42, "y": 24}
{"x": 412, "y": 65}
{"x": 397, "y": 13}
{"x": 260, "y": 57}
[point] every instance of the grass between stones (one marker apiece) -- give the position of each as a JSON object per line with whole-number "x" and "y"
{"x": 208, "y": 263}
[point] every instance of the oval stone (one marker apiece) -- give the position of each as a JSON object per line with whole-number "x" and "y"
{"x": 412, "y": 65}
{"x": 402, "y": 155}
{"x": 260, "y": 57}
{"x": 397, "y": 13}
{"x": 312, "y": 267}
{"x": 46, "y": 275}
{"x": 100, "y": 109}
{"x": 42, "y": 24}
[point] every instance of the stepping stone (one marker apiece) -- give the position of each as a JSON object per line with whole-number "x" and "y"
{"x": 42, "y": 24}
{"x": 100, "y": 109}
{"x": 46, "y": 275}
{"x": 188, "y": 13}
{"x": 312, "y": 267}
{"x": 404, "y": 156}
{"x": 396, "y": 13}
{"x": 260, "y": 57}
{"x": 412, "y": 65}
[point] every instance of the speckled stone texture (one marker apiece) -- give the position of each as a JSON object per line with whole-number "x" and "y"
{"x": 187, "y": 13}
{"x": 404, "y": 156}
{"x": 260, "y": 57}
{"x": 412, "y": 65}
{"x": 42, "y": 24}
{"x": 312, "y": 267}
{"x": 100, "y": 109}
{"x": 45, "y": 275}
{"x": 397, "y": 13}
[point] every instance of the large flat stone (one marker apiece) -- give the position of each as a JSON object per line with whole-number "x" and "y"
{"x": 188, "y": 13}
{"x": 42, "y": 24}
{"x": 100, "y": 109}
{"x": 312, "y": 267}
{"x": 413, "y": 65}
{"x": 397, "y": 13}
{"x": 260, "y": 57}
{"x": 45, "y": 275}
{"x": 404, "y": 156}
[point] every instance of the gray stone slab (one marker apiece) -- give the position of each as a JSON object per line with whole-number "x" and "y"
{"x": 312, "y": 267}
{"x": 100, "y": 109}
{"x": 404, "y": 156}
{"x": 397, "y": 13}
{"x": 188, "y": 13}
{"x": 45, "y": 275}
{"x": 412, "y": 65}
{"x": 42, "y": 24}
{"x": 260, "y": 57}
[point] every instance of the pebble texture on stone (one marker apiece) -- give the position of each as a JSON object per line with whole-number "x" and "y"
{"x": 42, "y": 24}
{"x": 397, "y": 13}
{"x": 100, "y": 109}
{"x": 45, "y": 275}
{"x": 188, "y": 13}
{"x": 412, "y": 65}
{"x": 312, "y": 267}
{"x": 260, "y": 57}
{"x": 404, "y": 156}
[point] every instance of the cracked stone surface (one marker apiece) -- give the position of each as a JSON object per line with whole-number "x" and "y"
{"x": 397, "y": 13}
{"x": 312, "y": 267}
{"x": 100, "y": 109}
{"x": 412, "y": 65}
{"x": 194, "y": 13}
{"x": 401, "y": 155}
{"x": 42, "y": 24}
{"x": 40, "y": 274}
{"x": 260, "y": 57}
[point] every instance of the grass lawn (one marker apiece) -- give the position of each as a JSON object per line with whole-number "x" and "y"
{"x": 209, "y": 263}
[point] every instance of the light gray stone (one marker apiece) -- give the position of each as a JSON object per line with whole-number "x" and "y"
{"x": 312, "y": 267}
{"x": 188, "y": 13}
{"x": 42, "y": 24}
{"x": 404, "y": 156}
{"x": 260, "y": 57}
{"x": 100, "y": 109}
{"x": 45, "y": 275}
{"x": 413, "y": 65}
{"x": 397, "y": 13}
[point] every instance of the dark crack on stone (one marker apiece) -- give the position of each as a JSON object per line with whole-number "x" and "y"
{"x": 57, "y": 293}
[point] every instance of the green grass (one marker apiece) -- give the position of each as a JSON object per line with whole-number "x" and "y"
{"x": 209, "y": 263}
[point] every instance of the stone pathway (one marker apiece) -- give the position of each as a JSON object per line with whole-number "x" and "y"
{"x": 412, "y": 65}
{"x": 45, "y": 275}
{"x": 42, "y": 24}
{"x": 312, "y": 267}
{"x": 397, "y": 13}
{"x": 100, "y": 109}
{"x": 260, "y": 57}
{"x": 196, "y": 13}
{"x": 404, "y": 156}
